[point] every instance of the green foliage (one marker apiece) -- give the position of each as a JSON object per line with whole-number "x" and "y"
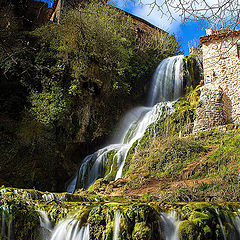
{"x": 95, "y": 34}
{"x": 194, "y": 70}
{"x": 98, "y": 43}
{"x": 48, "y": 106}
{"x": 68, "y": 83}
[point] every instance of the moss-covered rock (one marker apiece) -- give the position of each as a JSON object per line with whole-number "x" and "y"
{"x": 19, "y": 213}
{"x": 188, "y": 230}
{"x": 141, "y": 231}
{"x": 19, "y": 220}
{"x": 195, "y": 70}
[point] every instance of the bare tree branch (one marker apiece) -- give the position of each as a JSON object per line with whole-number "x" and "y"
{"x": 224, "y": 13}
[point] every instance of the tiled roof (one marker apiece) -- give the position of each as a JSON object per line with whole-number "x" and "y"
{"x": 219, "y": 35}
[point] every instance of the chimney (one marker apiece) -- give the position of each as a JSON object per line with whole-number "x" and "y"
{"x": 209, "y": 31}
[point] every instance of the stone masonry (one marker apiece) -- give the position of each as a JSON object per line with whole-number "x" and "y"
{"x": 221, "y": 63}
{"x": 213, "y": 108}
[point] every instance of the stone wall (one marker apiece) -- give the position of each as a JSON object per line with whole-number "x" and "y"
{"x": 214, "y": 108}
{"x": 141, "y": 25}
{"x": 220, "y": 96}
{"x": 221, "y": 65}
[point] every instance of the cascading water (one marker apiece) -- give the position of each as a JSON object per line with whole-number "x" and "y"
{"x": 3, "y": 227}
{"x": 70, "y": 229}
{"x": 167, "y": 85}
{"x": 236, "y": 224}
{"x": 233, "y": 233}
{"x": 117, "y": 219}
{"x": 45, "y": 224}
{"x": 221, "y": 225}
{"x": 168, "y": 82}
{"x": 67, "y": 229}
{"x": 169, "y": 224}
{"x": 6, "y": 230}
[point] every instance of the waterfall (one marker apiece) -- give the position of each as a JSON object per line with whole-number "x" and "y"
{"x": 225, "y": 220}
{"x": 70, "y": 229}
{"x": 45, "y": 224}
{"x": 170, "y": 224}
{"x": 221, "y": 225}
{"x": 3, "y": 228}
{"x": 117, "y": 219}
{"x": 167, "y": 85}
{"x": 236, "y": 224}
{"x": 67, "y": 229}
{"x": 6, "y": 229}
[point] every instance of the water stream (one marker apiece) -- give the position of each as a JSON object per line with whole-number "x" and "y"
{"x": 45, "y": 224}
{"x": 167, "y": 85}
{"x": 167, "y": 228}
{"x": 116, "y": 229}
{"x": 70, "y": 229}
{"x": 169, "y": 224}
{"x": 221, "y": 225}
{"x": 6, "y": 228}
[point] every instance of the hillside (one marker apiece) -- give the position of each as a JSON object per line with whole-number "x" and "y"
{"x": 201, "y": 167}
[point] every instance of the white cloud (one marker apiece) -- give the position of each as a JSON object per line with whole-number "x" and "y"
{"x": 155, "y": 17}
{"x": 201, "y": 8}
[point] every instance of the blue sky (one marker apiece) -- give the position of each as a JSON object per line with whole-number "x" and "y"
{"x": 186, "y": 33}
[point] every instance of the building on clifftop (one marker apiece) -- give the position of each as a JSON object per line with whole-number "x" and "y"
{"x": 141, "y": 26}
{"x": 220, "y": 95}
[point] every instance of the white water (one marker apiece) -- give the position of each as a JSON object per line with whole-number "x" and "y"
{"x": 6, "y": 230}
{"x": 116, "y": 229}
{"x": 170, "y": 225}
{"x": 221, "y": 225}
{"x": 3, "y": 227}
{"x": 45, "y": 224}
{"x": 167, "y": 85}
{"x": 70, "y": 229}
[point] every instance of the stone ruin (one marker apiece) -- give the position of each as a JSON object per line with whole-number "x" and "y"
{"x": 219, "y": 102}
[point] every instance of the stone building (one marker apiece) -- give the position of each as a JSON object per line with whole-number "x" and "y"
{"x": 141, "y": 26}
{"x": 220, "y": 95}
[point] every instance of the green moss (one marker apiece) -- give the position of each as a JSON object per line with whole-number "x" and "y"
{"x": 111, "y": 165}
{"x": 187, "y": 230}
{"x": 207, "y": 231}
{"x": 141, "y": 231}
{"x": 168, "y": 126}
{"x": 194, "y": 70}
{"x": 205, "y": 219}
{"x": 199, "y": 220}
{"x": 129, "y": 158}
{"x": 20, "y": 218}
